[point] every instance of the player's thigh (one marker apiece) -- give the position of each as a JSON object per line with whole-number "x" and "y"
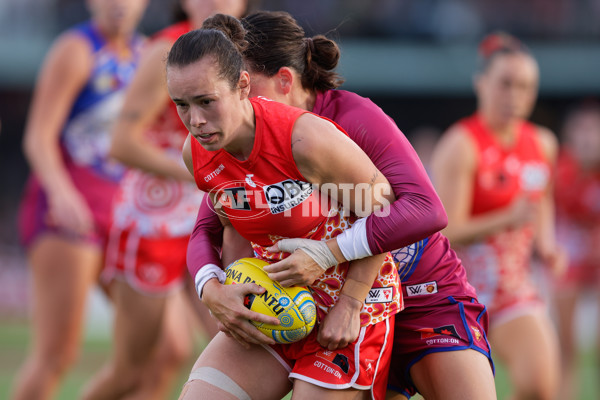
{"x": 461, "y": 374}
{"x": 305, "y": 390}
{"x": 138, "y": 323}
{"x": 202, "y": 315}
{"x": 227, "y": 370}
{"x": 393, "y": 395}
{"x": 565, "y": 304}
{"x": 176, "y": 341}
{"x": 529, "y": 347}
{"x": 62, "y": 274}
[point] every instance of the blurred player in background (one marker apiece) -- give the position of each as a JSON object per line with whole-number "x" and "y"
{"x": 439, "y": 341}
{"x": 65, "y": 212}
{"x": 577, "y": 196}
{"x": 153, "y": 216}
{"x": 493, "y": 171}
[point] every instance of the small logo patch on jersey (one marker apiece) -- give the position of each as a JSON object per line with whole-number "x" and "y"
{"x": 286, "y": 194}
{"x": 447, "y": 330}
{"x": 422, "y": 289}
{"x": 534, "y": 176}
{"x": 249, "y": 180}
{"x": 335, "y": 358}
{"x": 380, "y": 295}
{"x": 476, "y": 332}
{"x": 216, "y": 172}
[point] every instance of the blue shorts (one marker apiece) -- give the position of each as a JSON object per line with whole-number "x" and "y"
{"x": 451, "y": 324}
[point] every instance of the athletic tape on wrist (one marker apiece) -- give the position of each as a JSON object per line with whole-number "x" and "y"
{"x": 353, "y": 242}
{"x": 316, "y": 249}
{"x": 205, "y": 274}
{"x": 355, "y": 289}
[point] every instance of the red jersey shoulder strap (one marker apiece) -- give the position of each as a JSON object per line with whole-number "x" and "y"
{"x": 527, "y": 135}
{"x": 528, "y": 141}
{"x": 477, "y": 131}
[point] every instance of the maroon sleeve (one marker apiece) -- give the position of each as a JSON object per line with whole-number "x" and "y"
{"x": 417, "y": 212}
{"x": 206, "y": 240}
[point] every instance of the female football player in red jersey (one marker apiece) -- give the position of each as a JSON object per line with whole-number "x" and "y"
{"x": 153, "y": 215}
{"x": 577, "y": 196}
{"x": 493, "y": 172}
{"x": 453, "y": 363}
{"x": 256, "y": 148}
{"x": 65, "y": 211}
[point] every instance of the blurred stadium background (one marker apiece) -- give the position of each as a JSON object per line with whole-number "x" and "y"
{"x": 415, "y": 58}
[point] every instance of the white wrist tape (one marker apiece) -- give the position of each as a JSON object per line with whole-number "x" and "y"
{"x": 353, "y": 242}
{"x": 316, "y": 249}
{"x": 205, "y": 274}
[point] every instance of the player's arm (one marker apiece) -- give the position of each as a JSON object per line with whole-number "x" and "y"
{"x": 65, "y": 71}
{"x": 145, "y": 99}
{"x": 328, "y": 158}
{"x": 341, "y": 325}
{"x": 226, "y": 302}
{"x": 366, "y": 191}
{"x": 417, "y": 212}
{"x": 545, "y": 241}
{"x": 453, "y": 169}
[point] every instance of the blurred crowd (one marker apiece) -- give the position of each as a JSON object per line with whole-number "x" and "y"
{"x": 435, "y": 20}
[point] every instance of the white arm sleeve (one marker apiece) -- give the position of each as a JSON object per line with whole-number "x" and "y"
{"x": 206, "y": 273}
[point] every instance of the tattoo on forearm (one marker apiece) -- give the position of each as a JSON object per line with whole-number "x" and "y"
{"x": 374, "y": 178}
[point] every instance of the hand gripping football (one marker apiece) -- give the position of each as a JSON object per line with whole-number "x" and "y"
{"x": 293, "y": 306}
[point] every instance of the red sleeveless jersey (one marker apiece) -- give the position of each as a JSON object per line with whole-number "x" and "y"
{"x": 503, "y": 173}
{"x": 266, "y": 198}
{"x": 577, "y": 191}
{"x": 498, "y": 266}
{"x": 577, "y": 197}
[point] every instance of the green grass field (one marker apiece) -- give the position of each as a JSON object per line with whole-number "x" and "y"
{"x": 14, "y": 338}
{"x": 13, "y": 343}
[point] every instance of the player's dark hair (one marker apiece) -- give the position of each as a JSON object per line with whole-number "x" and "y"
{"x": 225, "y": 45}
{"x": 276, "y": 40}
{"x": 496, "y": 44}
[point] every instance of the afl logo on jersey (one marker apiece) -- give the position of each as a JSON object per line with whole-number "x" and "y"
{"x": 286, "y": 194}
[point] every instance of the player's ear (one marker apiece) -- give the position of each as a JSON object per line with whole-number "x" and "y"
{"x": 285, "y": 79}
{"x": 244, "y": 84}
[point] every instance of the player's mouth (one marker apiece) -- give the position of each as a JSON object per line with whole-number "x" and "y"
{"x": 206, "y": 137}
